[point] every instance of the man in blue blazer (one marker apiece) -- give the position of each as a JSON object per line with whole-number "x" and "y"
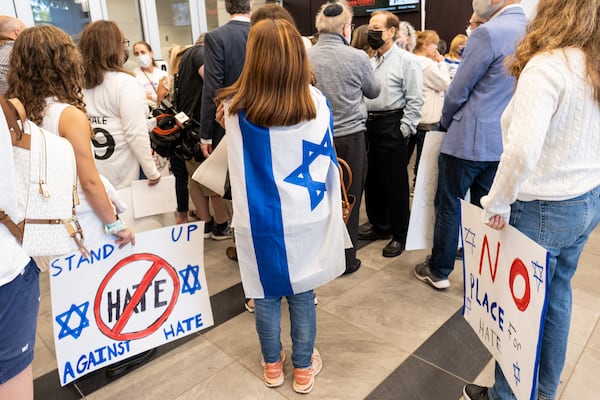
{"x": 471, "y": 114}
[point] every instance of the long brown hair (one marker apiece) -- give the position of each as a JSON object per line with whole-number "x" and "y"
{"x": 101, "y": 45}
{"x": 359, "y": 39}
{"x": 559, "y": 24}
{"x": 45, "y": 63}
{"x": 273, "y": 89}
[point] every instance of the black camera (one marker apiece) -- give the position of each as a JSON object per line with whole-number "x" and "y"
{"x": 175, "y": 133}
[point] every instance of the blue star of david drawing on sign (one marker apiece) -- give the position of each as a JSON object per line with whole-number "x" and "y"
{"x": 469, "y": 237}
{"x": 538, "y": 271}
{"x": 185, "y": 275}
{"x": 64, "y": 319}
{"x": 517, "y": 372}
{"x": 301, "y": 175}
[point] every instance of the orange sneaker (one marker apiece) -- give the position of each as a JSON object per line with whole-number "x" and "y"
{"x": 304, "y": 378}
{"x": 273, "y": 372}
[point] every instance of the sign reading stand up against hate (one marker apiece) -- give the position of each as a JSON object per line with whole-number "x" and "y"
{"x": 120, "y": 302}
{"x": 505, "y": 275}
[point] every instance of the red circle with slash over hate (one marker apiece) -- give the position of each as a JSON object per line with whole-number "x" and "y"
{"x": 158, "y": 264}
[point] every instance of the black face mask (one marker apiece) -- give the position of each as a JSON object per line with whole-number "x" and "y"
{"x": 374, "y": 39}
{"x": 126, "y": 56}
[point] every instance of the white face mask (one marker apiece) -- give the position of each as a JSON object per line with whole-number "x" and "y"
{"x": 485, "y": 9}
{"x": 469, "y": 31}
{"x": 144, "y": 60}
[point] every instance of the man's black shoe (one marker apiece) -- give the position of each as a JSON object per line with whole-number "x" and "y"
{"x": 371, "y": 234}
{"x": 393, "y": 249}
{"x": 127, "y": 364}
{"x": 475, "y": 392}
{"x": 354, "y": 268}
{"x": 459, "y": 254}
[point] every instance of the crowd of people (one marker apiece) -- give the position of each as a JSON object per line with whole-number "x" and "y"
{"x": 519, "y": 101}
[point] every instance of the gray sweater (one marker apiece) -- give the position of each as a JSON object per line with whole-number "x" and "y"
{"x": 344, "y": 75}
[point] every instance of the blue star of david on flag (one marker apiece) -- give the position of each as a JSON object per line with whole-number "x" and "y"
{"x": 64, "y": 320}
{"x": 192, "y": 270}
{"x": 301, "y": 176}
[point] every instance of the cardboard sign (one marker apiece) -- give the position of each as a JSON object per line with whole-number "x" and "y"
{"x": 153, "y": 200}
{"x": 121, "y": 302}
{"x": 505, "y": 275}
{"x": 422, "y": 212}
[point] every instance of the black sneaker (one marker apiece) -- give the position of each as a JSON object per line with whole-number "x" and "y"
{"x": 208, "y": 228}
{"x": 221, "y": 231}
{"x": 423, "y": 273}
{"x": 475, "y": 392}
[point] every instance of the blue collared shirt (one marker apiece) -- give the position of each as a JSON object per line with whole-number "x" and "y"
{"x": 401, "y": 80}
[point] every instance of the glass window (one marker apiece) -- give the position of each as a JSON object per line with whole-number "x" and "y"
{"x": 69, "y": 15}
{"x": 174, "y": 24}
{"x": 126, "y": 14}
{"x": 212, "y": 13}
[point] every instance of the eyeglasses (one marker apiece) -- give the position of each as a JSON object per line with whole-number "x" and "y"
{"x": 126, "y": 42}
{"x": 351, "y": 27}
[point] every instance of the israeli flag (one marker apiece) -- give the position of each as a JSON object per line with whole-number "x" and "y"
{"x": 287, "y": 216}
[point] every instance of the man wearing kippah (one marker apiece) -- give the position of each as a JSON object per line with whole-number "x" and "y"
{"x": 344, "y": 75}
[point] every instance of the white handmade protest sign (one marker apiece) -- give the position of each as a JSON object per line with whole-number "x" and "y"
{"x": 422, "y": 213}
{"x": 505, "y": 275}
{"x": 153, "y": 200}
{"x": 120, "y": 302}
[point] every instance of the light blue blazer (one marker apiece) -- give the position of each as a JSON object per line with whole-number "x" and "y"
{"x": 481, "y": 89}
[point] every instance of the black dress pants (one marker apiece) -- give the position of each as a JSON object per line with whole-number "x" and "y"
{"x": 353, "y": 149}
{"x": 386, "y": 186}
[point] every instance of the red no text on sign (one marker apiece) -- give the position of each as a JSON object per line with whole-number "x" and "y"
{"x": 157, "y": 265}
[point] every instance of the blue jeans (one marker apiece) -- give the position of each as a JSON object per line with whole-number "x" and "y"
{"x": 303, "y": 318}
{"x": 562, "y": 228}
{"x": 456, "y": 177}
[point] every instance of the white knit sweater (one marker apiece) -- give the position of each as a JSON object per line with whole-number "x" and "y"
{"x": 550, "y": 133}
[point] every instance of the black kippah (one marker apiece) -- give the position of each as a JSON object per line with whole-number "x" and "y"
{"x": 333, "y": 10}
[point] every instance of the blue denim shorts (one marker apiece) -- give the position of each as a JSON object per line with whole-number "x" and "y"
{"x": 19, "y": 304}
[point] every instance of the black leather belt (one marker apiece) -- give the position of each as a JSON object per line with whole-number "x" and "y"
{"x": 385, "y": 114}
